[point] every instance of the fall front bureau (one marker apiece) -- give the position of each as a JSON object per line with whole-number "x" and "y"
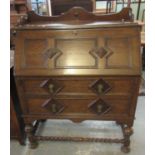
{"x": 78, "y": 66}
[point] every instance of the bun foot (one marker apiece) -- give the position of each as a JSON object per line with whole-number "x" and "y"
{"x": 33, "y": 145}
{"x": 125, "y": 149}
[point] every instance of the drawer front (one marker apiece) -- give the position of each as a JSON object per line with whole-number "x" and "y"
{"x": 102, "y": 51}
{"x": 79, "y": 107}
{"x": 77, "y": 86}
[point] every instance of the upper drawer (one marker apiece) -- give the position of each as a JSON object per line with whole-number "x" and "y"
{"x": 82, "y": 52}
{"x": 79, "y": 86}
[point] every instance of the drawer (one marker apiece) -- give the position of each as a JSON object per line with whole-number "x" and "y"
{"x": 68, "y": 86}
{"x": 79, "y": 107}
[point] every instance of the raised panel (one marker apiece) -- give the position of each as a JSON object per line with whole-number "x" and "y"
{"x": 34, "y": 50}
{"x": 120, "y": 56}
{"x": 103, "y": 51}
{"x": 75, "y": 53}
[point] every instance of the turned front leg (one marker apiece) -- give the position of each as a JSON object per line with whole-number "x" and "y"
{"x": 29, "y": 131}
{"x": 126, "y": 145}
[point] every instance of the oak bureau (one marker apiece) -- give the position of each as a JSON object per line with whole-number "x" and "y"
{"x": 78, "y": 66}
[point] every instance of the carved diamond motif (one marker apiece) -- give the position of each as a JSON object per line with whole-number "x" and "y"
{"x": 99, "y": 107}
{"x": 49, "y": 53}
{"x": 101, "y": 52}
{"x": 51, "y": 86}
{"x": 100, "y": 87}
{"x": 53, "y": 106}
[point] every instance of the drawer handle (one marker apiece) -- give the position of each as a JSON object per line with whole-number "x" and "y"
{"x": 54, "y": 108}
{"x": 100, "y": 88}
{"x": 99, "y": 108}
{"x": 51, "y": 88}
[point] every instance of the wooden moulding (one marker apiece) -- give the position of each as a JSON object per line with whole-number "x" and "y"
{"x": 77, "y": 15}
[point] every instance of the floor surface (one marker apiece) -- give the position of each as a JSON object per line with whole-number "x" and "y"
{"x": 86, "y": 128}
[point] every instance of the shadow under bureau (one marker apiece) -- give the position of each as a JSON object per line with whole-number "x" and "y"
{"x": 78, "y": 66}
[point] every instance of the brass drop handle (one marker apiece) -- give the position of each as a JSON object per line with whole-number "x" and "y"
{"x": 100, "y": 88}
{"x": 99, "y": 108}
{"x": 51, "y": 88}
{"x": 54, "y": 108}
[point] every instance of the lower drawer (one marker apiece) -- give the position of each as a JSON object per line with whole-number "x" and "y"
{"x": 93, "y": 106}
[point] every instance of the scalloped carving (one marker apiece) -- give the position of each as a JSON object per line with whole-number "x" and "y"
{"x": 77, "y": 14}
